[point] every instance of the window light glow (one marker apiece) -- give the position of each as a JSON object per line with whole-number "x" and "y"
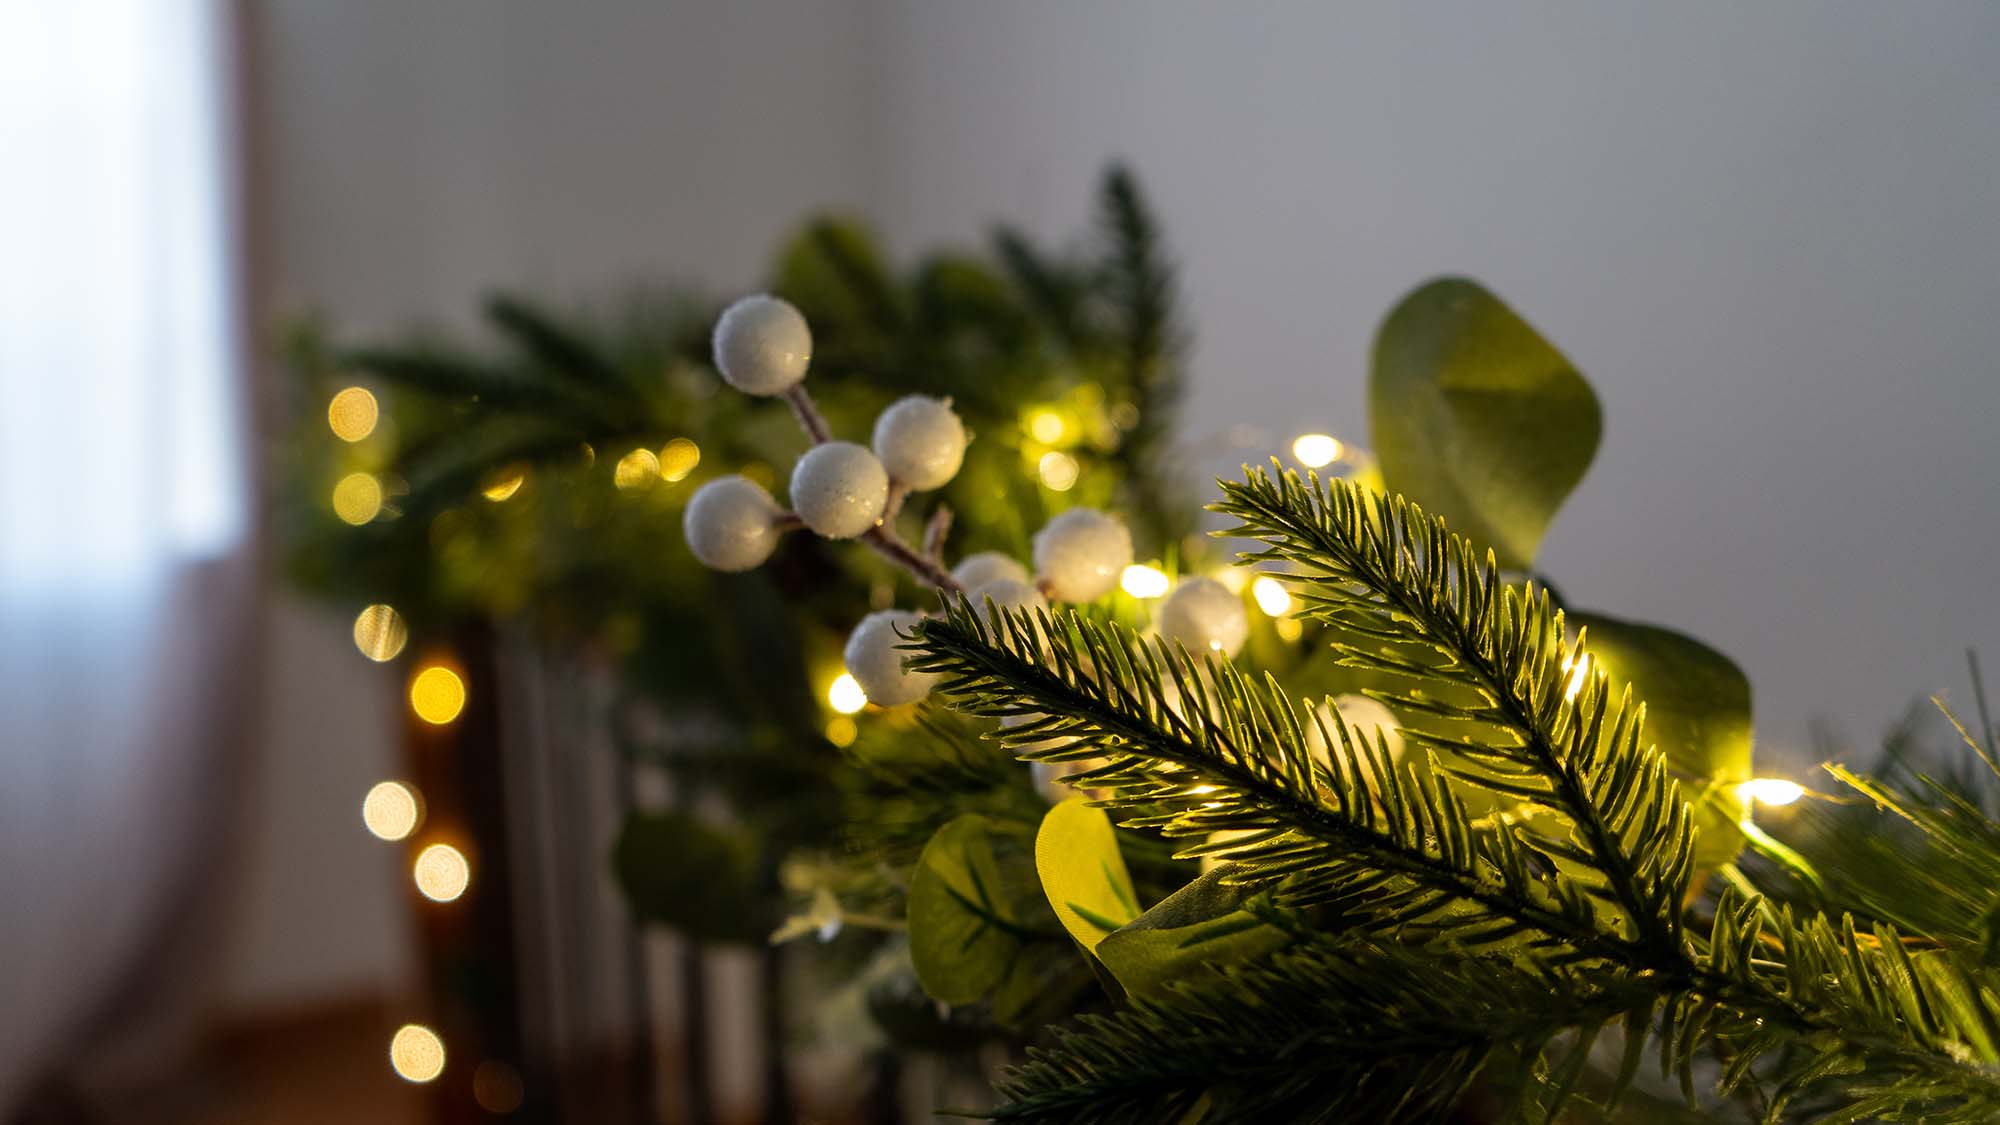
{"x": 1142, "y": 581}
{"x": 1771, "y": 791}
{"x": 441, "y": 873}
{"x": 352, "y": 414}
{"x": 1316, "y": 451}
{"x": 437, "y": 694}
{"x": 845, "y": 695}
{"x": 390, "y": 810}
{"x": 416, "y": 1053}
{"x": 379, "y": 633}
{"x": 1271, "y": 595}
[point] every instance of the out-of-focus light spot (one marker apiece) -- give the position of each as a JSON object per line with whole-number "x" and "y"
{"x": 845, "y": 695}
{"x": 1578, "y": 666}
{"x": 1271, "y": 595}
{"x": 504, "y": 483}
{"x": 1046, "y": 426}
{"x": 841, "y": 731}
{"x": 1316, "y": 451}
{"x": 437, "y": 695}
{"x": 1124, "y": 416}
{"x": 1058, "y": 471}
{"x": 1290, "y": 629}
{"x": 357, "y": 498}
{"x": 391, "y": 810}
{"x": 678, "y": 458}
{"x": 497, "y": 1087}
{"x": 379, "y": 633}
{"x": 1142, "y": 581}
{"x": 352, "y": 414}
{"x": 417, "y": 1053}
{"x": 636, "y": 469}
{"x": 589, "y": 454}
{"x": 1233, "y": 577}
{"x": 441, "y": 873}
{"x": 1771, "y": 791}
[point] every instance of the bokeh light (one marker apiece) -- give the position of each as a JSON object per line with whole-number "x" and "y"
{"x": 357, "y": 498}
{"x": 1578, "y": 667}
{"x": 841, "y": 731}
{"x": 1142, "y": 581}
{"x": 1058, "y": 471}
{"x": 845, "y": 695}
{"x": 1046, "y": 426}
{"x": 1271, "y": 595}
{"x": 1771, "y": 791}
{"x": 437, "y": 694}
{"x": 352, "y": 414}
{"x": 1316, "y": 451}
{"x": 636, "y": 469}
{"x": 441, "y": 872}
{"x": 678, "y": 458}
{"x": 417, "y": 1053}
{"x": 391, "y": 810}
{"x": 379, "y": 632}
{"x": 504, "y": 483}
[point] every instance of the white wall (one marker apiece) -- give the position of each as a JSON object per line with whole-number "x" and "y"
{"x": 1769, "y": 233}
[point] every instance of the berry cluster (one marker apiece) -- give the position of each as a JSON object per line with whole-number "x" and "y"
{"x": 841, "y": 490}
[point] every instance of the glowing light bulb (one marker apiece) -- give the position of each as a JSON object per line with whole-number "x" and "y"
{"x": 437, "y": 695}
{"x": 1058, "y": 471}
{"x": 357, "y": 498}
{"x": 352, "y": 414}
{"x": 636, "y": 469}
{"x": 1771, "y": 791}
{"x": 845, "y": 695}
{"x": 1271, "y": 595}
{"x": 1142, "y": 581}
{"x": 1046, "y": 426}
{"x": 390, "y": 810}
{"x": 416, "y": 1053}
{"x": 504, "y": 483}
{"x": 1316, "y": 451}
{"x": 379, "y": 633}
{"x": 678, "y": 458}
{"x": 441, "y": 872}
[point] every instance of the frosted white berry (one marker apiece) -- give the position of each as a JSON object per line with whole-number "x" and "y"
{"x": 1080, "y": 554}
{"x": 976, "y": 570}
{"x": 920, "y": 441}
{"x": 1203, "y": 615}
{"x": 875, "y": 660}
{"x": 731, "y": 524}
{"x": 1363, "y": 716}
{"x": 839, "y": 489}
{"x": 762, "y": 345}
{"x": 1005, "y": 593}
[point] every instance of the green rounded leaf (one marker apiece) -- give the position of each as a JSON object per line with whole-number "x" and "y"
{"x": 971, "y": 912}
{"x": 1478, "y": 418}
{"x": 1203, "y": 923}
{"x": 1083, "y": 873}
{"x": 1697, "y": 713}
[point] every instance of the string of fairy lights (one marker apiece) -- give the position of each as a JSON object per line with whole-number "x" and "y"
{"x": 393, "y": 810}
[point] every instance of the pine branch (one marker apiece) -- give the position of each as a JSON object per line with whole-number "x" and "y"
{"x": 1381, "y": 567}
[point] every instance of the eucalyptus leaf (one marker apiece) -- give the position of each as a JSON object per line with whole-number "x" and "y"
{"x": 1478, "y": 418}
{"x": 1083, "y": 873}
{"x": 1203, "y": 923}
{"x": 972, "y": 912}
{"x": 695, "y": 877}
{"x": 1697, "y": 713}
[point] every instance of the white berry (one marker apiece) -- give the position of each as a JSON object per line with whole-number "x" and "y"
{"x": 731, "y": 524}
{"x": 920, "y": 441}
{"x": 839, "y": 489}
{"x": 1203, "y": 615}
{"x": 1363, "y": 716}
{"x": 762, "y": 345}
{"x": 1006, "y": 594}
{"x": 976, "y": 570}
{"x": 875, "y": 660}
{"x": 1080, "y": 554}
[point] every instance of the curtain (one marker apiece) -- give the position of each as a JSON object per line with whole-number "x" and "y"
{"x": 123, "y": 521}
